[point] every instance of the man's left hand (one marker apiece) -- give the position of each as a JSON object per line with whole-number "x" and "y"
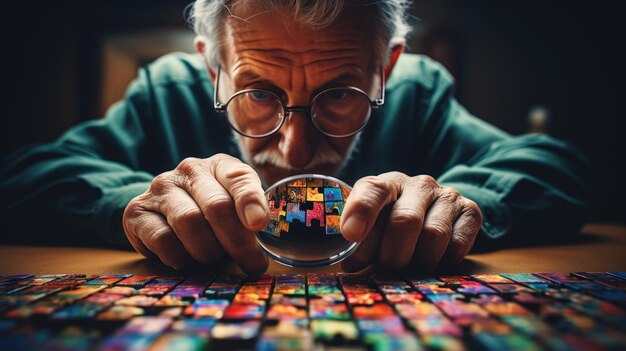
{"x": 408, "y": 222}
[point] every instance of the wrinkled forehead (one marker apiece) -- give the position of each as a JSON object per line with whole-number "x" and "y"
{"x": 279, "y": 30}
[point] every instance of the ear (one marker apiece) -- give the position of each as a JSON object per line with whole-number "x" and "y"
{"x": 200, "y": 45}
{"x": 396, "y": 50}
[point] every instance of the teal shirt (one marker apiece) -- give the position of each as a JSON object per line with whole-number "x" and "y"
{"x": 75, "y": 189}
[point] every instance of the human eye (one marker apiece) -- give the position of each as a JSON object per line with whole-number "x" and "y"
{"x": 260, "y": 96}
{"x": 337, "y": 94}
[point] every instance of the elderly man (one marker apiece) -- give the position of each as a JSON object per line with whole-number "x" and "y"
{"x": 289, "y": 87}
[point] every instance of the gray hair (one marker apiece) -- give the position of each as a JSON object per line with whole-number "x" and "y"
{"x": 205, "y": 16}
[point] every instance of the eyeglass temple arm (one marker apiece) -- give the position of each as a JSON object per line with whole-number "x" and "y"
{"x": 381, "y": 100}
{"x": 219, "y": 107}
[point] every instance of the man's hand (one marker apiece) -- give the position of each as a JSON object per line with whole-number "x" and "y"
{"x": 198, "y": 211}
{"x": 424, "y": 226}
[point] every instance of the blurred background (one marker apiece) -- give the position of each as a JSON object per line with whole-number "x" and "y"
{"x": 553, "y": 67}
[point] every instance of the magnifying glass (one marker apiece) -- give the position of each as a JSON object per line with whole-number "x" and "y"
{"x": 305, "y": 211}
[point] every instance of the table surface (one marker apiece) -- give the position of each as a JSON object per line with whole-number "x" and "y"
{"x": 600, "y": 247}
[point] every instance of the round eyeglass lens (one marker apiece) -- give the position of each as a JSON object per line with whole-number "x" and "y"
{"x": 255, "y": 112}
{"x": 303, "y": 231}
{"x": 341, "y": 111}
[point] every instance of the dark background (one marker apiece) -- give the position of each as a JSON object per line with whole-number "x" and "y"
{"x": 66, "y": 61}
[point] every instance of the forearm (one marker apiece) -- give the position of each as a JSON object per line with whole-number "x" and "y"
{"x": 52, "y": 195}
{"x": 529, "y": 188}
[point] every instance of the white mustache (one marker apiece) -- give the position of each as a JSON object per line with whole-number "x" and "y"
{"x": 323, "y": 155}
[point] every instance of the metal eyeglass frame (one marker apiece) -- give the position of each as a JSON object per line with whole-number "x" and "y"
{"x": 374, "y": 104}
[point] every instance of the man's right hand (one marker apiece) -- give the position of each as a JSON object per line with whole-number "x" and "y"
{"x": 199, "y": 211}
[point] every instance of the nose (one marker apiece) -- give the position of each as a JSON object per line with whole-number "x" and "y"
{"x": 298, "y": 139}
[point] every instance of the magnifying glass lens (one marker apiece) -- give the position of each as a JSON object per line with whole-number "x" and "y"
{"x": 305, "y": 213}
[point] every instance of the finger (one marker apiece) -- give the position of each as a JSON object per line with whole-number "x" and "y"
{"x": 139, "y": 246}
{"x": 464, "y": 234}
{"x": 244, "y": 186}
{"x": 405, "y": 221}
{"x": 218, "y": 207}
{"x": 131, "y": 213}
{"x": 156, "y": 234}
{"x": 239, "y": 242}
{"x": 368, "y": 196}
{"x": 190, "y": 226}
{"x": 436, "y": 232}
{"x": 368, "y": 249}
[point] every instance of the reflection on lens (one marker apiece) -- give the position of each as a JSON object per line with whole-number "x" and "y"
{"x": 305, "y": 212}
{"x": 341, "y": 111}
{"x": 255, "y": 112}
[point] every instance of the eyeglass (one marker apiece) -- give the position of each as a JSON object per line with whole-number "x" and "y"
{"x": 338, "y": 112}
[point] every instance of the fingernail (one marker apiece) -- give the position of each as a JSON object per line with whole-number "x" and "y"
{"x": 254, "y": 214}
{"x": 354, "y": 227}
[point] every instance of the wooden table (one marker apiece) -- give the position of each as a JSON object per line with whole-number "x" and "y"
{"x": 601, "y": 247}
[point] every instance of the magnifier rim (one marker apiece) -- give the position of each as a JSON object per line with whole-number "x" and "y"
{"x": 307, "y": 263}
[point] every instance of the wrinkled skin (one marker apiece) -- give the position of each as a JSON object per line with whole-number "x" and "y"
{"x": 206, "y": 208}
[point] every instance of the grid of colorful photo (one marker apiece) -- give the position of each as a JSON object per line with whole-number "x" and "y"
{"x": 313, "y": 202}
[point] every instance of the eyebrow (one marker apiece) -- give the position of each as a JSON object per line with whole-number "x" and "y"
{"x": 250, "y": 76}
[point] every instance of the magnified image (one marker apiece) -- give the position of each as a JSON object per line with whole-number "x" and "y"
{"x": 305, "y": 211}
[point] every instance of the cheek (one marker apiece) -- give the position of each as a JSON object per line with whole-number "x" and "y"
{"x": 254, "y": 146}
{"x": 341, "y": 146}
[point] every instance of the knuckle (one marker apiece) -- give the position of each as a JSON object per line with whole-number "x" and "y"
{"x": 218, "y": 206}
{"x": 425, "y": 185}
{"x": 188, "y": 165}
{"x": 398, "y": 175}
{"x": 425, "y": 180}
{"x": 375, "y": 182}
{"x": 242, "y": 181}
{"x": 161, "y": 183}
{"x": 242, "y": 193}
{"x": 406, "y": 219}
{"x": 395, "y": 176}
{"x": 160, "y": 239}
{"x": 127, "y": 224}
{"x": 242, "y": 170}
{"x": 377, "y": 190}
{"x": 128, "y": 229}
{"x": 188, "y": 218}
{"x": 132, "y": 207}
{"x": 459, "y": 243}
{"x": 219, "y": 157}
{"x": 439, "y": 229}
{"x": 216, "y": 160}
{"x": 473, "y": 212}
{"x": 449, "y": 195}
{"x": 364, "y": 204}
{"x": 452, "y": 192}
{"x": 187, "y": 171}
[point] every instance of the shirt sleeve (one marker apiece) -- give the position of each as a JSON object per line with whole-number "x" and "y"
{"x": 530, "y": 188}
{"x": 74, "y": 190}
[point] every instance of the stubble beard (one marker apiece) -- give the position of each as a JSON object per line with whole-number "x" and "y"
{"x": 325, "y": 158}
